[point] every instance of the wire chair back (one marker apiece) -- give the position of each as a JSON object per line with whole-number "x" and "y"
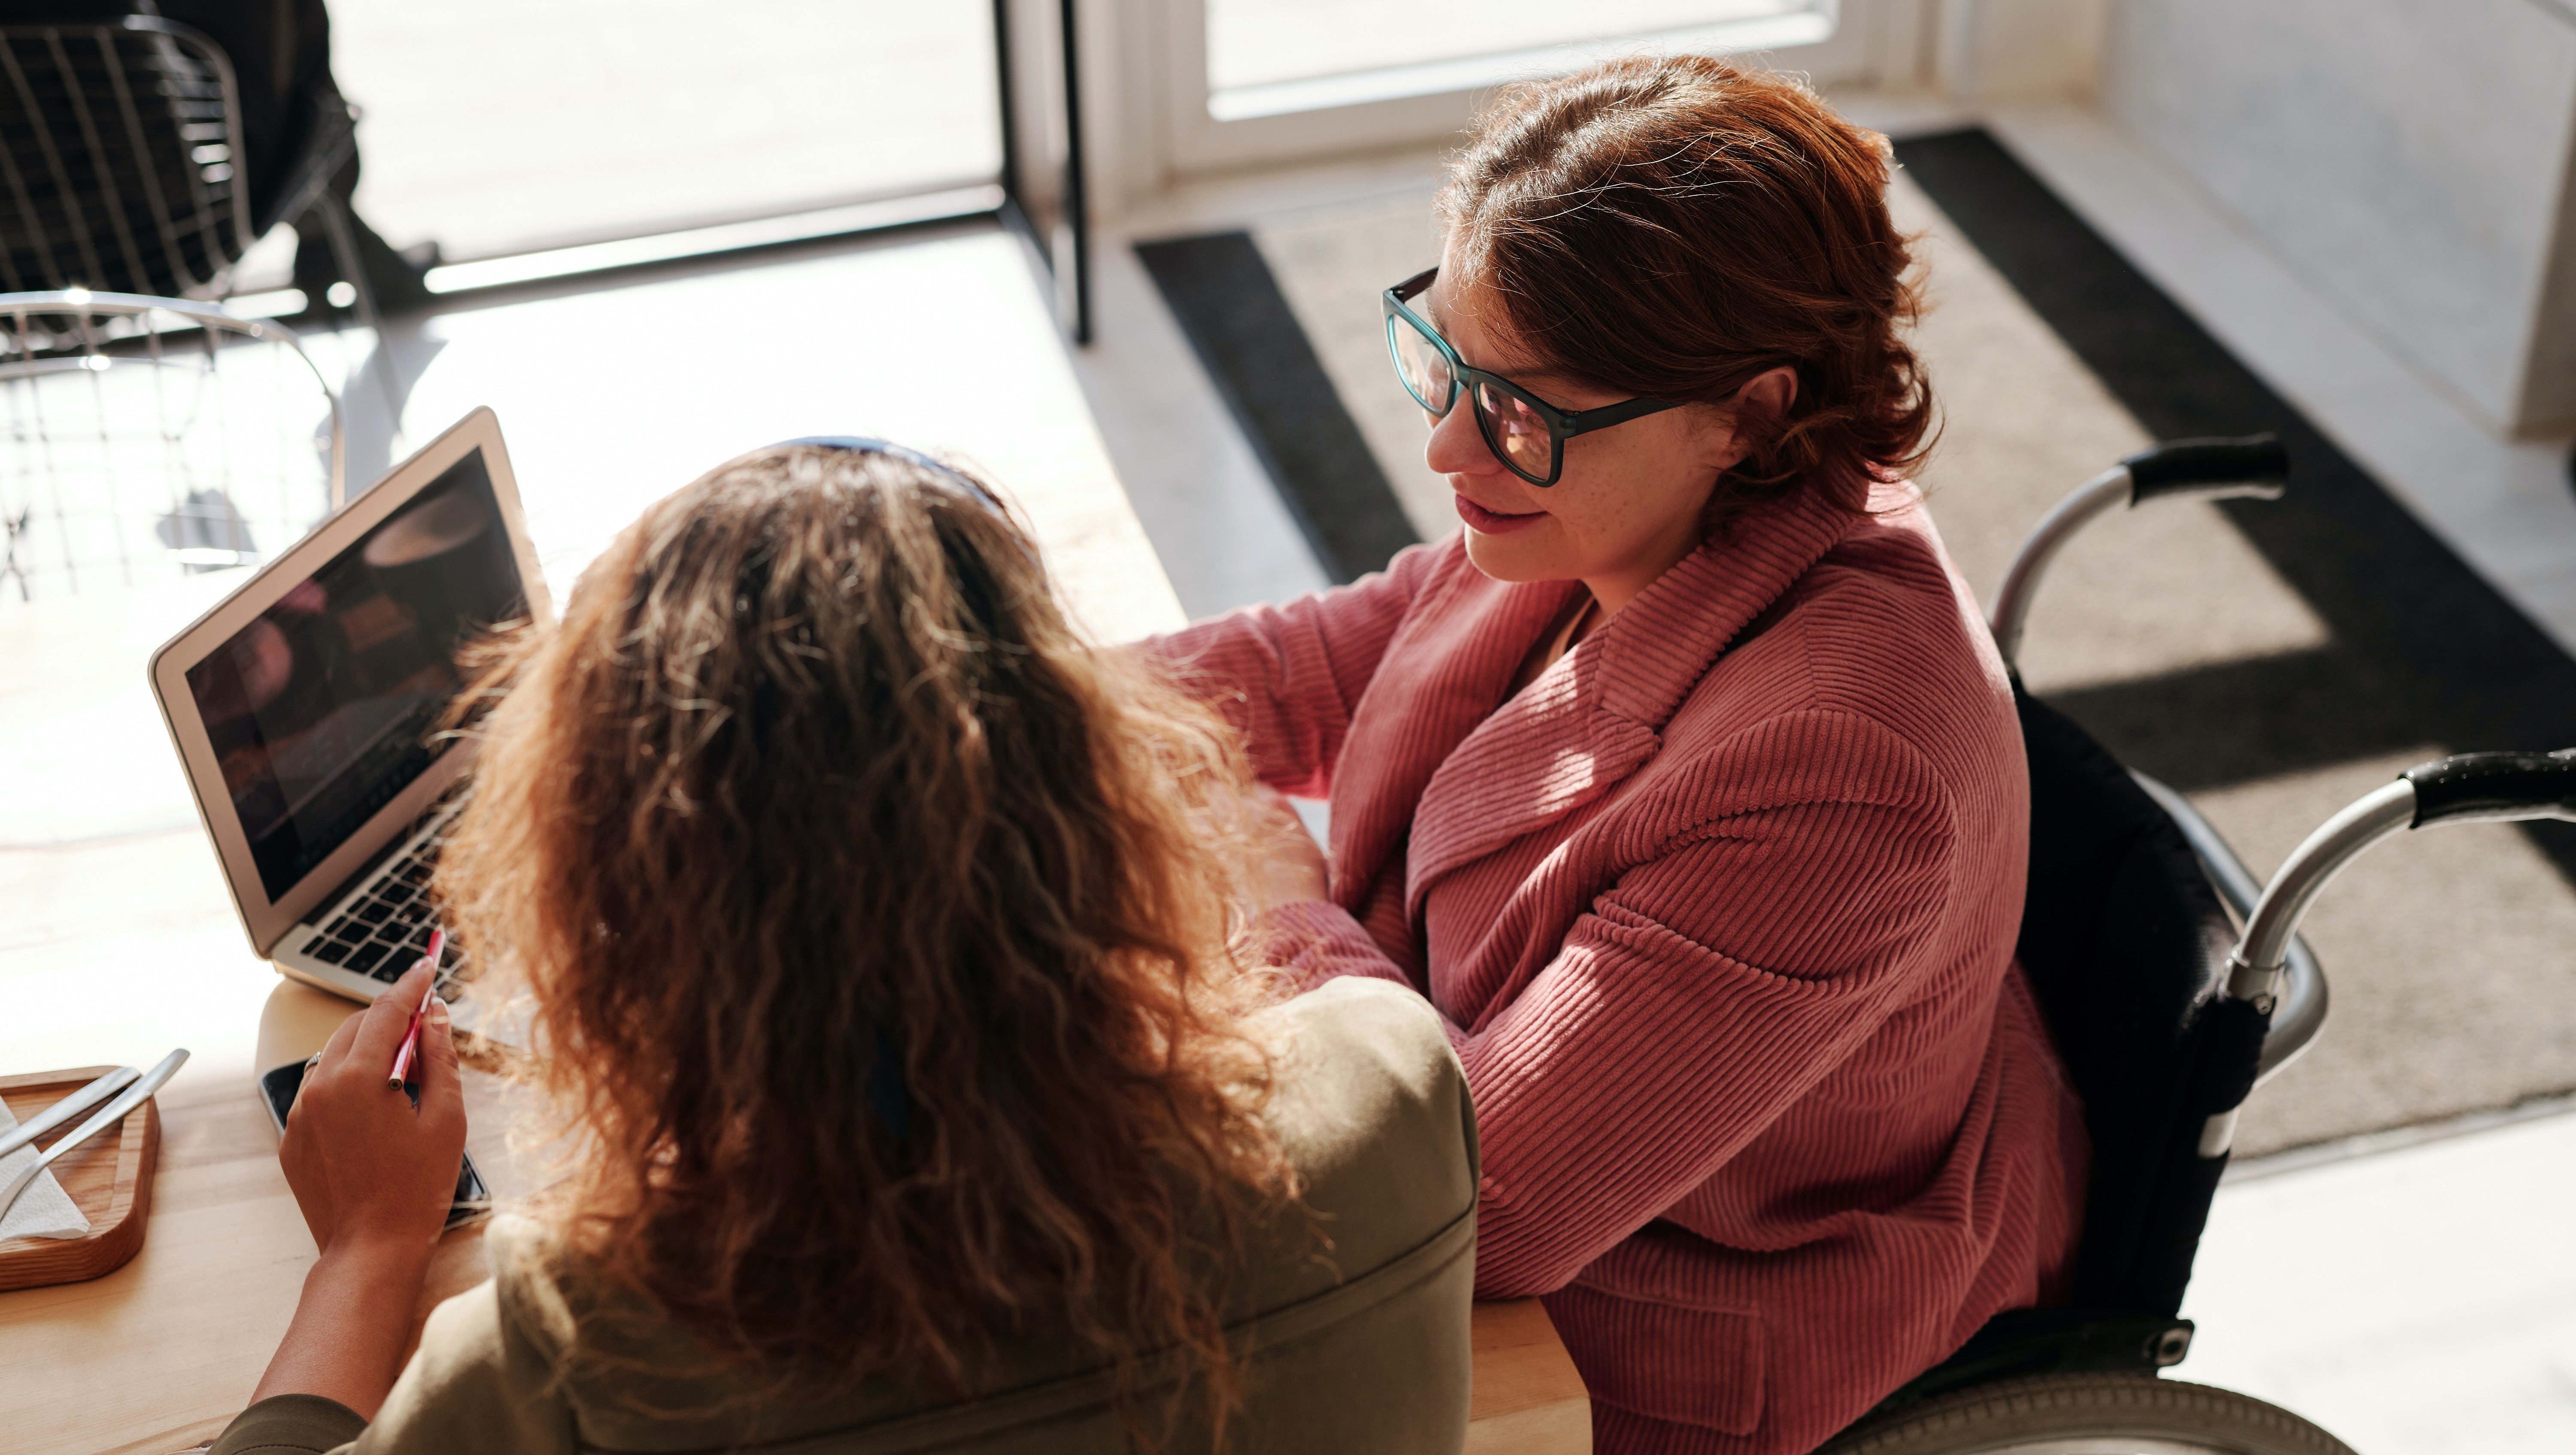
{"x": 120, "y": 158}
{"x": 179, "y": 438}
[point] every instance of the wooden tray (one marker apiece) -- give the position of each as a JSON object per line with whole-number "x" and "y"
{"x": 109, "y": 1177}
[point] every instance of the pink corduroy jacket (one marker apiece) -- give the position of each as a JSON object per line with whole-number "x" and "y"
{"x": 1720, "y": 913}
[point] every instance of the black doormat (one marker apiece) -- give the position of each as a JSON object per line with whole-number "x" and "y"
{"x": 2420, "y": 648}
{"x": 1234, "y": 315}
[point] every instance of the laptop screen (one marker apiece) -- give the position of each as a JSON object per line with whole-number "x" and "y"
{"x": 324, "y": 707}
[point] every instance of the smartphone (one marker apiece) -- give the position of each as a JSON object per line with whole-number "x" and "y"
{"x": 277, "y": 1090}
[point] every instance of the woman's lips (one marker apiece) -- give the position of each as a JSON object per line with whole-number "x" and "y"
{"x": 1494, "y": 522}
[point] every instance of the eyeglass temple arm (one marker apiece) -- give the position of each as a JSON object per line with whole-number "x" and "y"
{"x": 1586, "y": 421}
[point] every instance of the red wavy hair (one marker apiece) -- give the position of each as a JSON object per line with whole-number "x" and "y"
{"x": 1672, "y": 227}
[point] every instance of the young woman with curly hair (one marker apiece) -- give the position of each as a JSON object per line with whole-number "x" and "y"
{"x": 877, "y": 934}
{"x": 1685, "y": 781}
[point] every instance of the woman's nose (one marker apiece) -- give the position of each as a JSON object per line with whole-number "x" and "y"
{"x": 1456, "y": 446}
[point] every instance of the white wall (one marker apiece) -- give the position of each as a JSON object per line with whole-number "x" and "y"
{"x": 2410, "y": 156}
{"x": 2010, "y": 50}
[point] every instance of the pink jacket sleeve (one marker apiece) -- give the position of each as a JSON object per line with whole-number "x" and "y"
{"x": 1706, "y": 991}
{"x": 1289, "y": 676}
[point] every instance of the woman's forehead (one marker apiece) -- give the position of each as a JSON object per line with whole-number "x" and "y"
{"x": 1469, "y": 314}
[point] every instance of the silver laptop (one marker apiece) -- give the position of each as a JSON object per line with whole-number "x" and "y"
{"x": 306, "y": 709}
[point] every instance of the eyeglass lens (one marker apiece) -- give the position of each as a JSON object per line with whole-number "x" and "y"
{"x": 1421, "y": 365}
{"x": 1516, "y": 430}
{"x": 1513, "y": 428}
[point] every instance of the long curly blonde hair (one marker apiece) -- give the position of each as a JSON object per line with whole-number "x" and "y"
{"x": 877, "y": 931}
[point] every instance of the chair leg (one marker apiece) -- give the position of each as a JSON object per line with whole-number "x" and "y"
{"x": 9, "y": 563}
{"x": 353, "y": 270}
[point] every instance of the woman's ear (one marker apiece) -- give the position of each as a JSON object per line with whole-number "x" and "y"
{"x": 1769, "y": 394}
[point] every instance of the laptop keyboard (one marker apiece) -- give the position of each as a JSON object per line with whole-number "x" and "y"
{"x": 385, "y": 931}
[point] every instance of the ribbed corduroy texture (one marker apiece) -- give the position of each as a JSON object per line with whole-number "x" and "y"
{"x": 1720, "y": 911}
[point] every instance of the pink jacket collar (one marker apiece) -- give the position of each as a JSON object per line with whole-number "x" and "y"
{"x": 1476, "y": 775}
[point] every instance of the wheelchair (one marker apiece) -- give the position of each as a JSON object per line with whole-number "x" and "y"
{"x": 2174, "y": 984}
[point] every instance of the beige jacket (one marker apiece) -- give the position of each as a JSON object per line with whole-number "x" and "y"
{"x": 1363, "y": 1348}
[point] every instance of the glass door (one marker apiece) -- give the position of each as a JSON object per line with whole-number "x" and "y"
{"x": 495, "y": 127}
{"x": 1257, "y": 81}
{"x": 532, "y": 140}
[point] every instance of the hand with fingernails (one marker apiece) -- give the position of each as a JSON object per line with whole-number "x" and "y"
{"x": 373, "y": 1174}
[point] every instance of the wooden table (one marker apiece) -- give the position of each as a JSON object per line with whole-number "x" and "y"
{"x": 1528, "y": 1400}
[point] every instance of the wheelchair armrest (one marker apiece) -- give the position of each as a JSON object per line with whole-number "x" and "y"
{"x": 2255, "y": 465}
{"x": 2463, "y": 788}
{"x": 2300, "y": 1011}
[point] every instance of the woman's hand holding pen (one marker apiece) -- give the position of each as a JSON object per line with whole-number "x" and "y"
{"x": 364, "y": 1162}
{"x": 373, "y": 1174}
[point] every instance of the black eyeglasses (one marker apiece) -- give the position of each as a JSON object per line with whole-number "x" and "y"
{"x": 1525, "y": 432}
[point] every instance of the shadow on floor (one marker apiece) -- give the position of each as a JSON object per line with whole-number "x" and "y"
{"x": 2423, "y": 650}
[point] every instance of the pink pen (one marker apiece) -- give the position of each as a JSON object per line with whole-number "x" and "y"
{"x": 411, "y": 1033}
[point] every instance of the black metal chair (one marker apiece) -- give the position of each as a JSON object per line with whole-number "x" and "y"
{"x": 124, "y": 167}
{"x": 125, "y": 206}
{"x": 168, "y": 437}
{"x": 2172, "y": 984}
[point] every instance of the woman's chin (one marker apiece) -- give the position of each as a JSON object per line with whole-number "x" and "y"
{"x": 1521, "y": 556}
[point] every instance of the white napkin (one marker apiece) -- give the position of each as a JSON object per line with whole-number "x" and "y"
{"x": 44, "y": 1210}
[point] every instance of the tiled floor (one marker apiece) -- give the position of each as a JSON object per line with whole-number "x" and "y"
{"x": 2414, "y": 1302}
{"x": 1215, "y": 520}
{"x": 1222, "y": 534}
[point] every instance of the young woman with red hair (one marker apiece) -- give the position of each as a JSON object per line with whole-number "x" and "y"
{"x": 1685, "y": 782}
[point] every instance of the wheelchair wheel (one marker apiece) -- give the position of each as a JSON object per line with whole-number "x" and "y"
{"x": 2088, "y": 1414}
